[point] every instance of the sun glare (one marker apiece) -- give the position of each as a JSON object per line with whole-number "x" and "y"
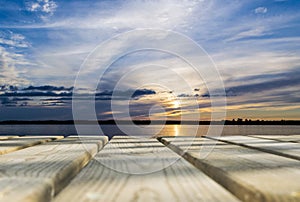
{"x": 176, "y": 130}
{"x": 176, "y": 104}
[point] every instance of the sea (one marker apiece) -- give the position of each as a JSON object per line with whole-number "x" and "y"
{"x": 149, "y": 131}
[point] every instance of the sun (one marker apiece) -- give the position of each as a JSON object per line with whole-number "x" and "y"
{"x": 176, "y": 104}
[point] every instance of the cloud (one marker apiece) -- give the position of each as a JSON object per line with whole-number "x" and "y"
{"x": 251, "y": 51}
{"x": 9, "y": 38}
{"x": 256, "y": 32}
{"x": 37, "y": 94}
{"x": 48, "y": 95}
{"x": 261, "y": 10}
{"x": 35, "y": 91}
{"x": 267, "y": 82}
{"x": 33, "y": 7}
{"x": 8, "y": 88}
{"x": 142, "y": 92}
{"x": 46, "y": 6}
{"x": 12, "y": 60}
{"x": 118, "y": 15}
{"x": 47, "y": 88}
{"x": 43, "y": 8}
{"x": 10, "y": 64}
{"x": 14, "y": 101}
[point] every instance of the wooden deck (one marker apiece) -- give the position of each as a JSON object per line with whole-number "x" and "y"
{"x": 91, "y": 168}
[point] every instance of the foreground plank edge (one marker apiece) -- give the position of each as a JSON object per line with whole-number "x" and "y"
{"x": 51, "y": 164}
{"x": 18, "y": 143}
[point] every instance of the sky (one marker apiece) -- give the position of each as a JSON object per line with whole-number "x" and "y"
{"x": 254, "y": 45}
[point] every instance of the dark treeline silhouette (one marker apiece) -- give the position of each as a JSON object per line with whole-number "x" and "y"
{"x": 238, "y": 121}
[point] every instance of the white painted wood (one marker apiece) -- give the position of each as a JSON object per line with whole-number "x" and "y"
{"x": 249, "y": 174}
{"x": 99, "y": 180}
{"x": 10, "y": 145}
{"x": 54, "y": 162}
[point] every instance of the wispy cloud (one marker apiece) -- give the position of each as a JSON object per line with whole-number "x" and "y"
{"x": 261, "y": 10}
{"x": 12, "y": 60}
{"x": 10, "y": 73}
{"x": 8, "y": 38}
{"x": 256, "y": 32}
{"x": 274, "y": 82}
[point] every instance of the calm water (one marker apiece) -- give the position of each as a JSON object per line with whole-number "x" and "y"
{"x": 168, "y": 130}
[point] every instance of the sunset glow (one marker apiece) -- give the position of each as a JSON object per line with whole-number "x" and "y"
{"x": 254, "y": 46}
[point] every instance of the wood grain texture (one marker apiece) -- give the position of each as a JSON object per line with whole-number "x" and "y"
{"x": 281, "y": 138}
{"x": 7, "y": 137}
{"x": 101, "y": 181}
{"x": 10, "y": 145}
{"x": 249, "y": 174}
{"x": 55, "y": 163}
{"x": 24, "y": 190}
{"x": 286, "y": 149}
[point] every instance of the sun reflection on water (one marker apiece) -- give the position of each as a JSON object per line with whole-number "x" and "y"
{"x": 176, "y": 129}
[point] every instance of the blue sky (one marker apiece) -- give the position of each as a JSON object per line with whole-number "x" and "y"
{"x": 254, "y": 44}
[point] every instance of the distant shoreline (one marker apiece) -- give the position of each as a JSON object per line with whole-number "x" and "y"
{"x": 155, "y": 122}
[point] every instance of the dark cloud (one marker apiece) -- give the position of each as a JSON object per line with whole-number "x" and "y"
{"x": 6, "y": 101}
{"x": 142, "y": 92}
{"x": 131, "y": 93}
{"x": 34, "y": 94}
{"x": 53, "y": 96}
{"x": 35, "y": 91}
{"x": 4, "y": 88}
{"x": 47, "y": 88}
{"x": 21, "y": 99}
{"x": 183, "y": 95}
{"x": 280, "y": 81}
{"x": 13, "y": 102}
{"x": 269, "y": 76}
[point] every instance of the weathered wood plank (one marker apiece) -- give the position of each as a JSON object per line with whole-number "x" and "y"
{"x": 249, "y": 174}
{"x": 7, "y": 137}
{"x": 10, "y": 145}
{"x": 284, "y": 138}
{"x": 286, "y": 149}
{"x": 25, "y": 190}
{"x": 110, "y": 176}
{"x": 55, "y": 163}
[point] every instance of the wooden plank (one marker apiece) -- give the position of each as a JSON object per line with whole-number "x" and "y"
{"x": 18, "y": 143}
{"x": 249, "y": 174}
{"x": 284, "y": 138}
{"x": 7, "y": 137}
{"x": 25, "y": 190}
{"x": 113, "y": 176}
{"x": 286, "y": 149}
{"x": 54, "y": 163}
